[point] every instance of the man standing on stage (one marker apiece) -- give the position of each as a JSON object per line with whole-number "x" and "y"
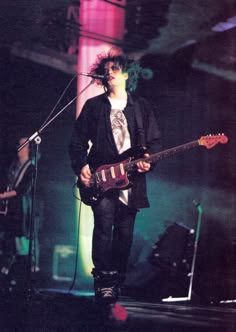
{"x": 114, "y": 122}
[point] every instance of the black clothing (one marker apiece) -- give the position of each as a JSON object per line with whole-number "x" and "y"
{"x": 111, "y": 215}
{"x": 113, "y": 220}
{"x": 17, "y": 220}
{"x": 18, "y": 216}
{"x": 94, "y": 124}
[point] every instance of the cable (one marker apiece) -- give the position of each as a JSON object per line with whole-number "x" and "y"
{"x": 60, "y": 98}
{"x": 73, "y": 192}
{"x": 76, "y": 252}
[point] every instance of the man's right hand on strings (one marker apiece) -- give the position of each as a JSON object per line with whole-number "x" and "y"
{"x": 85, "y": 175}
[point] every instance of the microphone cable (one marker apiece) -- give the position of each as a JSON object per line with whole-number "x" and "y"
{"x": 60, "y": 98}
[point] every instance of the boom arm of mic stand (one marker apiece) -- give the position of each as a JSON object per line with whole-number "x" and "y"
{"x": 35, "y": 136}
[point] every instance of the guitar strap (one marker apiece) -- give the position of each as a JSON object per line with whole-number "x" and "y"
{"x": 21, "y": 173}
{"x": 139, "y": 121}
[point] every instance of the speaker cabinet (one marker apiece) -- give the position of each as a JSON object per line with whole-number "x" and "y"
{"x": 173, "y": 252}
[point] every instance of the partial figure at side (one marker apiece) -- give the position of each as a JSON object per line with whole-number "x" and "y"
{"x": 16, "y": 215}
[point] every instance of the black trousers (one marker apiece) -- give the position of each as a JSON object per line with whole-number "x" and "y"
{"x": 112, "y": 235}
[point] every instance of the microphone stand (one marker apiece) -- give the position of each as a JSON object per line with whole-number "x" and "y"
{"x": 29, "y": 289}
{"x": 191, "y": 274}
{"x": 35, "y": 137}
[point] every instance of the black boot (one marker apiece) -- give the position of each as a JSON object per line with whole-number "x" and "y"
{"x": 106, "y": 286}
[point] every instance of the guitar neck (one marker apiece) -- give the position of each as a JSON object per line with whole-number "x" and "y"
{"x": 162, "y": 155}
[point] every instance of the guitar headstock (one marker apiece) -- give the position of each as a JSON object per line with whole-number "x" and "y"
{"x": 209, "y": 141}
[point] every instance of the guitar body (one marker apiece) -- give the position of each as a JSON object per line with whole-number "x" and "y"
{"x": 113, "y": 176}
{"x": 106, "y": 177}
{"x": 89, "y": 195}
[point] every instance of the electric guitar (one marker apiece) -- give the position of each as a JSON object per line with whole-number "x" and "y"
{"x": 116, "y": 176}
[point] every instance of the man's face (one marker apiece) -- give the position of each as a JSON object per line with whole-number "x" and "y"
{"x": 115, "y": 75}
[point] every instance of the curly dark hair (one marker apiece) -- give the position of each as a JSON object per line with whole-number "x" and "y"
{"x": 126, "y": 64}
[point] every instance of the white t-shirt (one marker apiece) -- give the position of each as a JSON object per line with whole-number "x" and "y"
{"x": 120, "y": 133}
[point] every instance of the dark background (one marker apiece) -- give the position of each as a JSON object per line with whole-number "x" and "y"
{"x": 189, "y": 103}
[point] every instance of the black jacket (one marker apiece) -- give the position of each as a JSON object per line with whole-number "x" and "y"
{"x": 93, "y": 124}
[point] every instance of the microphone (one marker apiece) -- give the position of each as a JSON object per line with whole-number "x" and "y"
{"x": 100, "y": 77}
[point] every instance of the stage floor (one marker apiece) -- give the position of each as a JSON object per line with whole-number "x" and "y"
{"x": 58, "y": 310}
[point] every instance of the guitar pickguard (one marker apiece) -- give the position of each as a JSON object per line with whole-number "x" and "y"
{"x": 112, "y": 176}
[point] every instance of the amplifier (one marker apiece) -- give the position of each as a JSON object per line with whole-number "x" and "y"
{"x": 63, "y": 262}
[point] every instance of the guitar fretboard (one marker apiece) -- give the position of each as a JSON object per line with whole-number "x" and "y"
{"x": 162, "y": 155}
